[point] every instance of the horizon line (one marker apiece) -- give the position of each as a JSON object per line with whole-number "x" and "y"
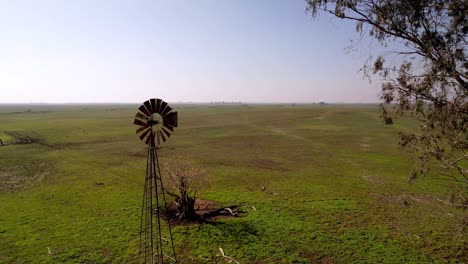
{"x": 186, "y": 102}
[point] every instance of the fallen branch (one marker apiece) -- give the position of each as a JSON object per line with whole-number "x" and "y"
{"x": 227, "y": 257}
{"x": 456, "y": 161}
{"x": 229, "y": 210}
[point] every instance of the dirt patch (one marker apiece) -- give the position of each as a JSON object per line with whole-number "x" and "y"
{"x": 204, "y": 206}
{"x": 209, "y": 211}
{"x": 21, "y": 176}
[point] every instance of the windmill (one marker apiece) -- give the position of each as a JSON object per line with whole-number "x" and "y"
{"x": 156, "y": 122}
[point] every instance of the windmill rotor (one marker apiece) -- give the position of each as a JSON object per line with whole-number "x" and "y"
{"x": 156, "y": 121}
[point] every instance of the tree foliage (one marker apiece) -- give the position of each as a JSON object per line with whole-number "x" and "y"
{"x": 426, "y": 77}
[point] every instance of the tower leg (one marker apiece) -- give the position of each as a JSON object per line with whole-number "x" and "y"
{"x": 156, "y": 241}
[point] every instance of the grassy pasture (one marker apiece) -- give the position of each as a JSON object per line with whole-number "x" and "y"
{"x": 329, "y": 185}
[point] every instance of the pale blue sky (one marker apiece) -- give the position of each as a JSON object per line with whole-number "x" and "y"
{"x": 198, "y": 51}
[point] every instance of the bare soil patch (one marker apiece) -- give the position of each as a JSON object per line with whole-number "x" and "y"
{"x": 208, "y": 211}
{"x": 21, "y": 176}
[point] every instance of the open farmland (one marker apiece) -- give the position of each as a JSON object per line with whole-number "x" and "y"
{"x": 328, "y": 183}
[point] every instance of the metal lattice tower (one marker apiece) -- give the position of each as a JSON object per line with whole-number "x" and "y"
{"x": 156, "y": 122}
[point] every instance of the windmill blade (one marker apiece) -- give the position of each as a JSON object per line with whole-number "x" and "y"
{"x": 167, "y": 110}
{"x": 142, "y": 136}
{"x": 168, "y": 134}
{"x": 140, "y": 123}
{"x": 164, "y": 139}
{"x": 149, "y": 139}
{"x": 153, "y": 105}
{"x": 170, "y": 119}
{"x": 171, "y": 128}
{"x": 141, "y": 116}
{"x": 158, "y": 105}
{"x": 148, "y": 107}
{"x": 143, "y": 109}
{"x": 141, "y": 129}
{"x": 163, "y": 106}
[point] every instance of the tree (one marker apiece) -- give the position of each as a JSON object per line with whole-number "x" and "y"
{"x": 426, "y": 78}
{"x": 185, "y": 180}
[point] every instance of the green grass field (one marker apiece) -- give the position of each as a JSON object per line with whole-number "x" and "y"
{"x": 329, "y": 184}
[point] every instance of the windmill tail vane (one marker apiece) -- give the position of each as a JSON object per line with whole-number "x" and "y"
{"x": 156, "y": 121}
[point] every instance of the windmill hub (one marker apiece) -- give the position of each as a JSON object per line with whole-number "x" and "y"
{"x": 155, "y": 112}
{"x": 152, "y": 122}
{"x": 155, "y": 119}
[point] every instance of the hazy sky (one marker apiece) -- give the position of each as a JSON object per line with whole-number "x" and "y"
{"x": 198, "y": 51}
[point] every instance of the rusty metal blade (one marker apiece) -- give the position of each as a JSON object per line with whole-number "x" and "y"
{"x": 170, "y": 119}
{"x": 168, "y": 134}
{"x": 166, "y": 111}
{"x": 141, "y": 129}
{"x": 149, "y": 139}
{"x": 148, "y": 107}
{"x": 171, "y": 128}
{"x": 142, "y": 136}
{"x": 153, "y": 105}
{"x": 140, "y": 123}
{"x": 158, "y": 105}
{"x": 163, "y": 106}
{"x": 141, "y": 116}
{"x": 143, "y": 109}
{"x": 164, "y": 139}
